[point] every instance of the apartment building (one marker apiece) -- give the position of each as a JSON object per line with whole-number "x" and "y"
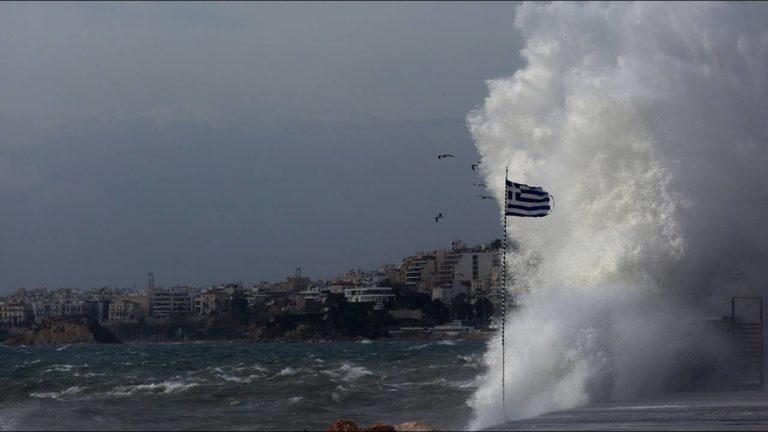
{"x": 15, "y": 314}
{"x": 168, "y": 302}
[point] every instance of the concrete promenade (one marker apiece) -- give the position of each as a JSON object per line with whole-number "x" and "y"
{"x": 733, "y": 410}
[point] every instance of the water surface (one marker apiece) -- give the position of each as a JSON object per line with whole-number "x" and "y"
{"x": 235, "y": 386}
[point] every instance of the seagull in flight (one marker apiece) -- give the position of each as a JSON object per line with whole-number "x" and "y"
{"x": 460, "y": 274}
{"x": 480, "y": 184}
{"x": 485, "y": 197}
{"x": 444, "y": 155}
{"x": 439, "y": 216}
{"x": 475, "y": 165}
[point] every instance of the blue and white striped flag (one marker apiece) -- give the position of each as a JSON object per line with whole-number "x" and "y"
{"x": 527, "y": 201}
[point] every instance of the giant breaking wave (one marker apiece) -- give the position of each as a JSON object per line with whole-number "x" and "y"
{"x": 649, "y": 124}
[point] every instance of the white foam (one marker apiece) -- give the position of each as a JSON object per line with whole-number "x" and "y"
{"x": 287, "y": 371}
{"x": 259, "y": 368}
{"x": 469, "y": 384}
{"x": 646, "y": 122}
{"x": 59, "y": 368}
{"x": 60, "y": 394}
{"x": 164, "y": 387}
{"x": 339, "y": 393}
{"x": 243, "y": 380}
{"x": 89, "y": 374}
{"x": 347, "y": 372}
{"x": 417, "y": 347}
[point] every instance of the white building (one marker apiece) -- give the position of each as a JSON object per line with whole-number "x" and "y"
{"x": 171, "y": 301}
{"x": 47, "y": 310}
{"x": 419, "y": 271}
{"x": 369, "y": 295}
{"x": 340, "y": 287}
{"x": 15, "y": 314}
{"x": 315, "y": 294}
{"x": 454, "y": 328}
{"x": 462, "y": 270}
{"x": 121, "y": 310}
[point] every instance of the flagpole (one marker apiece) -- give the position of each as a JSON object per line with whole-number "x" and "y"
{"x": 504, "y": 303}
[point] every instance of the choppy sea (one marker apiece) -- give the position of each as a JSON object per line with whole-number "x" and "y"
{"x": 236, "y": 386}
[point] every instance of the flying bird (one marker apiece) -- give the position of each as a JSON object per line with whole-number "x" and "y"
{"x": 460, "y": 274}
{"x": 485, "y": 197}
{"x": 479, "y": 184}
{"x": 445, "y": 155}
{"x": 475, "y": 165}
{"x": 439, "y": 216}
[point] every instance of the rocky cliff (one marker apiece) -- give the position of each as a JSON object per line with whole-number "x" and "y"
{"x": 63, "y": 332}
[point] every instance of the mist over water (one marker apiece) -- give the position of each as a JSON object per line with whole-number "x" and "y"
{"x": 648, "y": 123}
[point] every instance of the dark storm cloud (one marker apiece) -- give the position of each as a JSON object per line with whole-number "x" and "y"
{"x": 212, "y": 142}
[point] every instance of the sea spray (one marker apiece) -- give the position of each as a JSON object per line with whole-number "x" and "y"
{"x": 646, "y": 121}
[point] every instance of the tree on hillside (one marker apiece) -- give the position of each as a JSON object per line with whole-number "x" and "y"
{"x": 239, "y": 304}
{"x": 460, "y": 309}
{"x": 436, "y": 312}
{"x": 408, "y": 298}
{"x": 483, "y": 312}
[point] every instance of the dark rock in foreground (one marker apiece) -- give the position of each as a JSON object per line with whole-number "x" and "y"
{"x": 350, "y": 426}
{"x": 343, "y": 426}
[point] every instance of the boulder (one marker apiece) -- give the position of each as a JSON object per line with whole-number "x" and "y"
{"x": 344, "y": 426}
{"x": 349, "y": 426}
{"x": 381, "y": 427}
{"x": 414, "y": 427}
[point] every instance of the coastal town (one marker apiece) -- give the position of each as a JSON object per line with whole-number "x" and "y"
{"x": 443, "y": 293}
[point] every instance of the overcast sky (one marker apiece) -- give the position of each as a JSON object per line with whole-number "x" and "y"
{"x": 215, "y": 142}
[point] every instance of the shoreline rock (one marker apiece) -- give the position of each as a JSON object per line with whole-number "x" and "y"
{"x": 350, "y": 426}
{"x": 63, "y": 332}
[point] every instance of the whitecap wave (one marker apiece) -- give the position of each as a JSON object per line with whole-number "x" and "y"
{"x": 340, "y": 393}
{"x": 240, "y": 380}
{"x": 59, "y": 368}
{"x": 89, "y": 374}
{"x": 347, "y": 372}
{"x": 60, "y": 394}
{"x": 417, "y": 347}
{"x": 287, "y": 371}
{"x": 164, "y": 387}
{"x": 259, "y": 368}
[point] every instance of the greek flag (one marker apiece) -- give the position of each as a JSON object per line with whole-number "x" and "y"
{"x": 527, "y": 201}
